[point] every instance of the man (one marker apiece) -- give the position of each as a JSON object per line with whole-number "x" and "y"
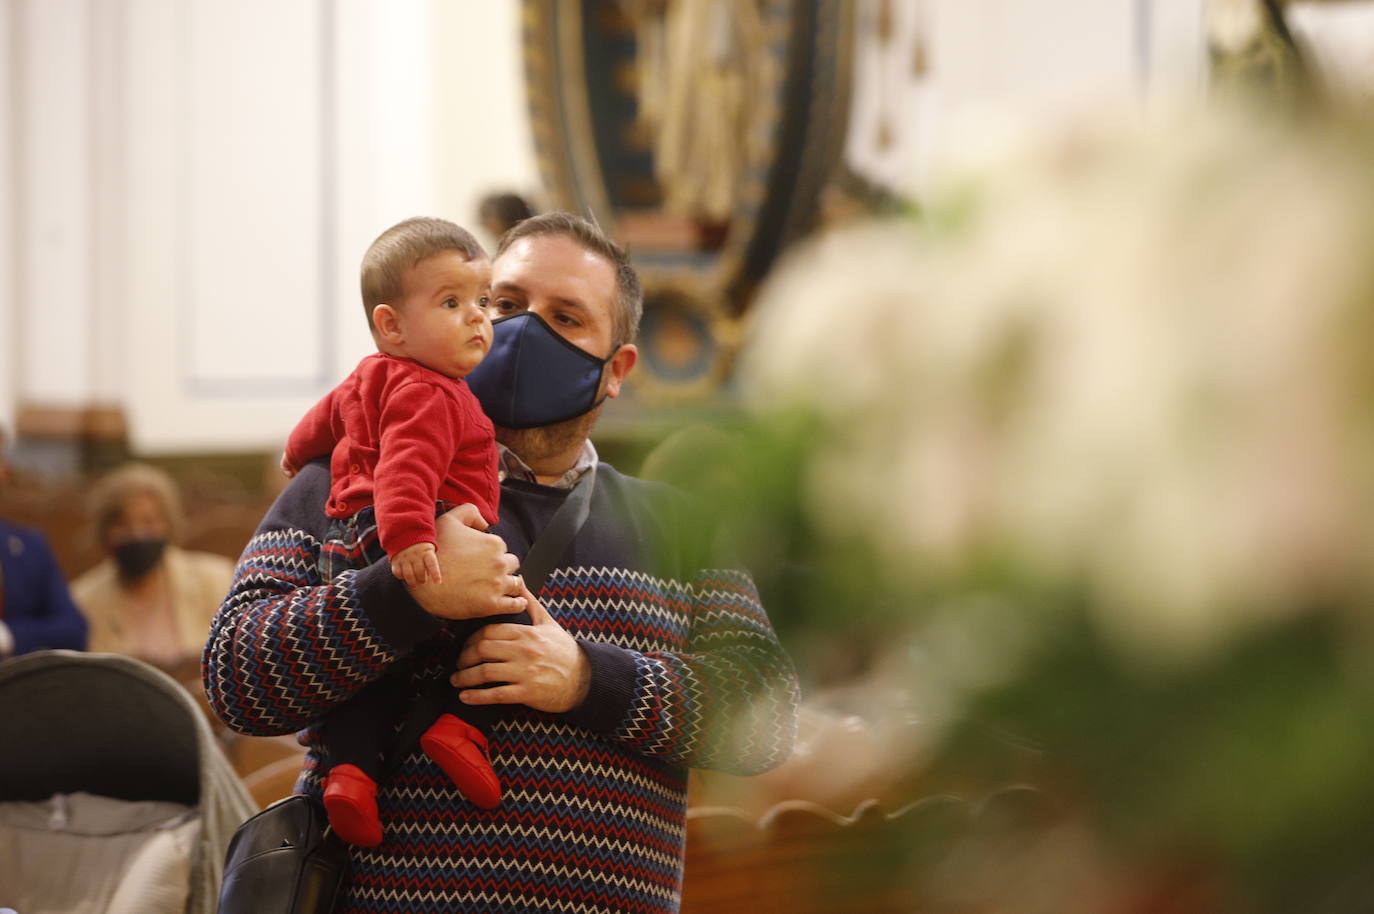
{"x": 641, "y": 658}
{"x": 36, "y": 610}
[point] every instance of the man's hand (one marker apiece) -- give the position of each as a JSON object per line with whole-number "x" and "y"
{"x": 478, "y": 573}
{"x": 541, "y": 665}
{"x": 417, "y": 564}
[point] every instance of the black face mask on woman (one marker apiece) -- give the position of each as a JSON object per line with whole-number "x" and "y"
{"x": 135, "y": 558}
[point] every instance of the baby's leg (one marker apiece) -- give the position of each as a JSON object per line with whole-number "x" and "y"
{"x": 355, "y": 734}
{"x": 457, "y": 740}
{"x": 350, "y": 544}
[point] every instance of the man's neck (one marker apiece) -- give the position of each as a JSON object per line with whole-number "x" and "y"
{"x": 526, "y": 455}
{"x": 550, "y": 470}
{"x": 550, "y": 451}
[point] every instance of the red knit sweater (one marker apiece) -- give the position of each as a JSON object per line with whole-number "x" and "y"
{"x": 402, "y": 437}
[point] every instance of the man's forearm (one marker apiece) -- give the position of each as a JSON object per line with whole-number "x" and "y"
{"x": 284, "y": 646}
{"x": 729, "y": 702}
{"x": 279, "y": 658}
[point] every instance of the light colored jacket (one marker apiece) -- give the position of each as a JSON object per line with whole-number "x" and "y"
{"x": 199, "y": 581}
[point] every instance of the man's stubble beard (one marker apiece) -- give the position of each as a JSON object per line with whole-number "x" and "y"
{"x": 536, "y": 445}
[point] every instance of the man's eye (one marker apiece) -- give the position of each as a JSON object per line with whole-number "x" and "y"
{"x": 505, "y": 306}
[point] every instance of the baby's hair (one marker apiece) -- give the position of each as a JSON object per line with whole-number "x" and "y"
{"x": 403, "y": 246}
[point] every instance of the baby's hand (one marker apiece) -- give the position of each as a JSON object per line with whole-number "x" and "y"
{"x": 286, "y": 467}
{"x": 417, "y": 564}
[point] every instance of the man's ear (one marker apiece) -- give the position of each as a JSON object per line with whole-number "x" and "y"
{"x": 387, "y": 324}
{"x": 618, "y": 367}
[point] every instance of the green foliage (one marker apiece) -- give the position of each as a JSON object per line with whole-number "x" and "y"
{"x": 1258, "y": 759}
{"x": 1254, "y": 761}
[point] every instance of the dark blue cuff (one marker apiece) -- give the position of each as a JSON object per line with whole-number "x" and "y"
{"x": 612, "y": 690}
{"x": 388, "y": 604}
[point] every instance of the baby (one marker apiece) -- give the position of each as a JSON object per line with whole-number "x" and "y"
{"x": 407, "y": 440}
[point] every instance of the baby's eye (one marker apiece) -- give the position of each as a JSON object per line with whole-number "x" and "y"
{"x": 484, "y": 302}
{"x": 450, "y": 303}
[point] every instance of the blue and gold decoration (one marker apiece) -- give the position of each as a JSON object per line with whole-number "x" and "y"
{"x": 700, "y": 135}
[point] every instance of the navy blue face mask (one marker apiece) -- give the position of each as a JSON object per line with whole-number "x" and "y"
{"x": 532, "y": 376}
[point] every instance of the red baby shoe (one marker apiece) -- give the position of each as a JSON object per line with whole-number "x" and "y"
{"x": 350, "y": 799}
{"x": 461, "y": 750}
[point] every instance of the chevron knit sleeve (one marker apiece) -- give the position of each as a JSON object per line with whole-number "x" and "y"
{"x": 284, "y": 648}
{"x": 728, "y": 702}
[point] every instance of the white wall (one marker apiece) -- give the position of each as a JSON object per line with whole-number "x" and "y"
{"x": 52, "y": 201}
{"x": 9, "y": 342}
{"x": 197, "y": 181}
{"x": 484, "y": 139}
{"x": 1339, "y": 41}
{"x": 995, "y": 69}
{"x": 193, "y": 182}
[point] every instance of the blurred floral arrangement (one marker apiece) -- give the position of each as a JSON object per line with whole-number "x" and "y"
{"x": 1082, "y": 459}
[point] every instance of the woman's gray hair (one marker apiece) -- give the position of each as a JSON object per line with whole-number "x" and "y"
{"x": 110, "y": 494}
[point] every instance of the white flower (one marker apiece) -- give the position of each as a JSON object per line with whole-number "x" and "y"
{"x": 1134, "y": 363}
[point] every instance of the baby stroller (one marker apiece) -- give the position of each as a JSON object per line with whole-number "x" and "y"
{"x": 114, "y": 796}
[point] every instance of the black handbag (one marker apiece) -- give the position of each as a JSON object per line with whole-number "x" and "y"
{"x": 284, "y": 860}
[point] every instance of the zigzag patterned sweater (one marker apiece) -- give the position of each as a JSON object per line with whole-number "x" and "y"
{"x": 686, "y": 672}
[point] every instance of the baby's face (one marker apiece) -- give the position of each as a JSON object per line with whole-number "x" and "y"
{"x": 443, "y": 313}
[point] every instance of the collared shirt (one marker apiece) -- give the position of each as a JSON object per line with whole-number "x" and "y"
{"x": 512, "y": 467}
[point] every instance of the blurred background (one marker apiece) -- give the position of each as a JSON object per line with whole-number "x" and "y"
{"x": 189, "y": 184}
{"x": 1024, "y": 345}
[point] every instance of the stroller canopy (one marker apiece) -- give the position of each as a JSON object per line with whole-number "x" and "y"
{"x": 118, "y": 728}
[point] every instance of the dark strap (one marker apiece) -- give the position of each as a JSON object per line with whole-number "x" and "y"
{"x": 543, "y": 556}
{"x": 423, "y": 712}
{"x": 548, "y": 549}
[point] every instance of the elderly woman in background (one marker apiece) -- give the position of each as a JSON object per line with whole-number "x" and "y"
{"x": 148, "y": 598}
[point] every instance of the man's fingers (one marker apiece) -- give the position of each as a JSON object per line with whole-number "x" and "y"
{"x": 484, "y": 651}
{"x": 496, "y": 695}
{"x": 538, "y": 614}
{"x": 501, "y": 605}
{"x": 468, "y": 515}
{"x": 482, "y": 647}
{"x": 481, "y": 674}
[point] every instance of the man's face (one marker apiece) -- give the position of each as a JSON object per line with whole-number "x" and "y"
{"x": 568, "y": 286}
{"x": 573, "y": 290}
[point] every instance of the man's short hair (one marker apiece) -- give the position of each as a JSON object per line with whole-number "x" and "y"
{"x": 629, "y": 298}
{"x": 403, "y": 246}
